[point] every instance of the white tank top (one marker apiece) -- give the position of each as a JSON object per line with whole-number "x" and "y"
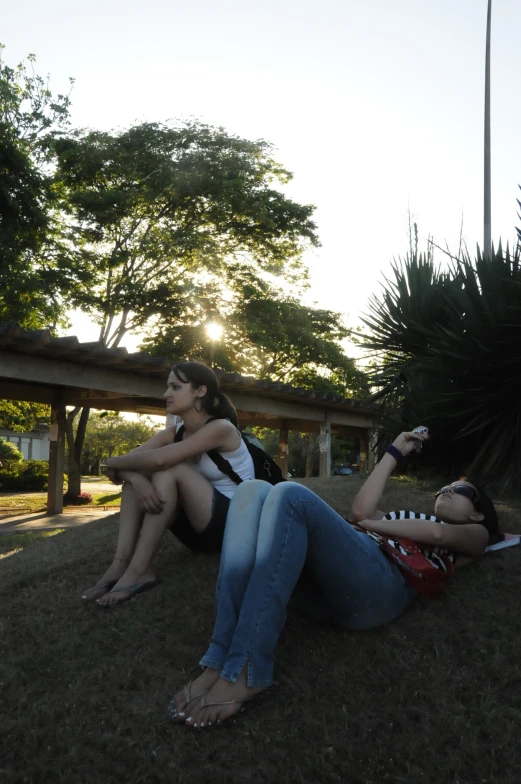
{"x": 241, "y": 462}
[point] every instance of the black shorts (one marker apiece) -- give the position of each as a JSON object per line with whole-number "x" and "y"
{"x": 211, "y": 539}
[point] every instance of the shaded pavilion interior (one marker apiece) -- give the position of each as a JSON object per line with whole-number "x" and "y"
{"x": 37, "y": 367}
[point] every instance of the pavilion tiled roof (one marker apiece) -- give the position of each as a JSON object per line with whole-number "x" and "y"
{"x": 42, "y": 343}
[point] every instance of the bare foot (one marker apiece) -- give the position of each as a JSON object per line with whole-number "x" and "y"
{"x": 114, "y": 572}
{"x": 178, "y": 707}
{"x": 222, "y": 691}
{"x": 130, "y": 577}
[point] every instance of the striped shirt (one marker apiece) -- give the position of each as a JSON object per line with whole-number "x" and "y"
{"x": 439, "y": 557}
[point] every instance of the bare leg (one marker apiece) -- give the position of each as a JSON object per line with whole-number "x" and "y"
{"x": 130, "y": 520}
{"x": 180, "y": 484}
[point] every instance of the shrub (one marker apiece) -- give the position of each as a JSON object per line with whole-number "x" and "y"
{"x": 77, "y": 500}
{"x": 24, "y": 477}
{"x": 9, "y": 452}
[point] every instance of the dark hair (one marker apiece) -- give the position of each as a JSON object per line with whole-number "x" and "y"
{"x": 214, "y": 402}
{"x": 486, "y": 507}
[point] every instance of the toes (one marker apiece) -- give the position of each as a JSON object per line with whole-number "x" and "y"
{"x": 176, "y": 711}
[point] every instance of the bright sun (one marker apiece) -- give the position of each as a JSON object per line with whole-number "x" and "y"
{"x": 214, "y": 330}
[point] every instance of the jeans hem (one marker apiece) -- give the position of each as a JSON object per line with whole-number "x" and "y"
{"x": 232, "y": 678}
{"x": 214, "y": 665}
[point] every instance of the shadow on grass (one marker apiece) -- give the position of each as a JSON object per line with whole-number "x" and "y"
{"x": 107, "y": 499}
{"x": 433, "y": 698}
{"x": 11, "y": 543}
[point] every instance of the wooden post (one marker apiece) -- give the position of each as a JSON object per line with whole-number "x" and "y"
{"x": 325, "y": 447}
{"x": 56, "y": 456}
{"x": 283, "y": 448}
{"x": 372, "y": 439}
{"x": 364, "y": 447}
{"x": 309, "y": 455}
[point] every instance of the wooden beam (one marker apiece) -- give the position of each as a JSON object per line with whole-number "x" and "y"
{"x": 56, "y": 455}
{"x": 32, "y": 393}
{"x": 257, "y": 403}
{"x": 134, "y": 405}
{"x": 22, "y": 367}
{"x": 343, "y": 431}
{"x": 23, "y": 376}
{"x": 364, "y": 448}
{"x": 283, "y": 448}
{"x": 269, "y": 420}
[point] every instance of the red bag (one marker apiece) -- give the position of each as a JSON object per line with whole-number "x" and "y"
{"x": 426, "y": 571}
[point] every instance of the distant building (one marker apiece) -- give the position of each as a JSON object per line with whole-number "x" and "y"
{"x": 33, "y": 445}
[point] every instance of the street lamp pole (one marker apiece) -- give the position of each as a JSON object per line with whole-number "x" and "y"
{"x": 487, "y": 206}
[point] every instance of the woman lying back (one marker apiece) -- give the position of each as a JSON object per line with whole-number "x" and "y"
{"x": 272, "y": 533}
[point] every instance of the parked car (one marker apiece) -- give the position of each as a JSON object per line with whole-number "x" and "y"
{"x": 341, "y": 470}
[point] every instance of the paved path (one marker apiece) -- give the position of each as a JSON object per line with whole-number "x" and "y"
{"x": 40, "y": 521}
{"x": 96, "y": 485}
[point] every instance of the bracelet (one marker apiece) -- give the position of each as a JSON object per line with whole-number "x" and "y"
{"x": 394, "y": 452}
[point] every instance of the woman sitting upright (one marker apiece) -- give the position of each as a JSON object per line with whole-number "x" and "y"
{"x": 273, "y": 532}
{"x": 175, "y": 485}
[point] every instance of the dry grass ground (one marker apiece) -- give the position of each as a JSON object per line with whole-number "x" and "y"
{"x": 435, "y": 698}
{"x": 10, "y": 504}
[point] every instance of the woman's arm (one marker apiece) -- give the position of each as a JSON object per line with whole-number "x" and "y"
{"x": 367, "y": 499}
{"x": 219, "y": 434}
{"x": 163, "y": 438}
{"x": 469, "y": 539}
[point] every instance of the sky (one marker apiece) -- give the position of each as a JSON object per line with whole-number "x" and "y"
{"x": 376, "y": 106}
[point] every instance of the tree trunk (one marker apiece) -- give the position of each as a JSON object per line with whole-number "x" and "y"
{"x": 75, "y": 446}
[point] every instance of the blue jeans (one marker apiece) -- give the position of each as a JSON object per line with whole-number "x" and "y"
{"x": 271, "y": 533}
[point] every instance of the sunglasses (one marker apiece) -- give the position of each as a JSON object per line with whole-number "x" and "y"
{"x": 469, "y": 492}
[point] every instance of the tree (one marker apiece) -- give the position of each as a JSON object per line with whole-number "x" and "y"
{"x": 449, "y": 352}
{"x": 158, "y": 208}
{"x": 9, "y": 451}
{"x": 110, "y": 434}
{"x": 23, "y": 417}
{"x": 37, "y": 262}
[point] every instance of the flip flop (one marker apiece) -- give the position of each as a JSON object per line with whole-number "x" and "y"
{"x": 219, "y": 724}
{"x": 132, "y": 591}
{"x": 108, "y": 585}
{"x": 186, "y": 691}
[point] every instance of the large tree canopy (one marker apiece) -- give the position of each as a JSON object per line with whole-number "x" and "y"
{"x": 160, "y": 208}
{"x": 23, "y": 417}
{"x": 37, "y": 263}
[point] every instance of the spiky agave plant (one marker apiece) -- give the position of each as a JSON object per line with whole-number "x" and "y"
{"x": 450, "y": 351}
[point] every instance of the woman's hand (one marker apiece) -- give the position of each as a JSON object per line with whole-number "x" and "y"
{"x": 148, "y": 498}
{"x": 405, "y": 441}
{"x": 112, "y": 474}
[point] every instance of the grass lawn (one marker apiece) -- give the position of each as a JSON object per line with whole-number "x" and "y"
{"x": 36, "y": 502}
{"x": 433, "y": 698}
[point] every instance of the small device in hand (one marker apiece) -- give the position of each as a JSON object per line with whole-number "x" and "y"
{"x": 419, "y": 431}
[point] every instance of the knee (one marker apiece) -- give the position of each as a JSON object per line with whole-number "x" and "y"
{"x": 288, "y": 492}
{"x": 169, "y": 476}
{"x": 251, "y": 492}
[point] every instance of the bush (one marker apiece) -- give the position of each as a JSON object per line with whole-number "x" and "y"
{"x": 9, "y": 452}
{"x": 24, "y": 477}
{"x": 77, "y": 500}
